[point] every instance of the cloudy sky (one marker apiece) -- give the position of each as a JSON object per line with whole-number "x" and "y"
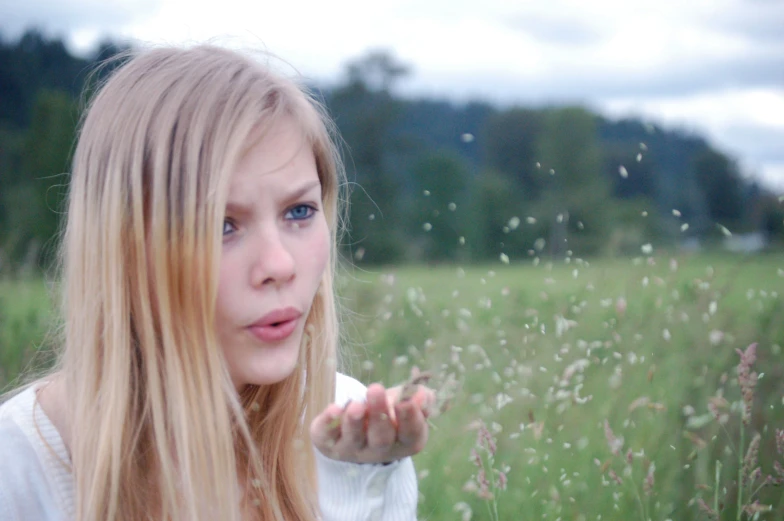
{"x": 715, "y": 67}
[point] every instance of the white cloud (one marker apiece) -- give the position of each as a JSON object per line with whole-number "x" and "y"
{"x": 712, "y": 65}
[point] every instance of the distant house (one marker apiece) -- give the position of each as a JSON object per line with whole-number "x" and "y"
{"x": 746, "y": 242}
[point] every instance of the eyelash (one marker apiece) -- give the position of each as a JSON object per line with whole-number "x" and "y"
{"x": 311, "y": 211}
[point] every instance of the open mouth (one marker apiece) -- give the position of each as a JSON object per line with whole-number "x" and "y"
{"x": 274, "y": 331}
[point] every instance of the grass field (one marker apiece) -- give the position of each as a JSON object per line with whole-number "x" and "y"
{"x": 609, "y": 389}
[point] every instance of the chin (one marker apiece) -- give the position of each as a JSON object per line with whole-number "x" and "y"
{"x": 267, "y": 366}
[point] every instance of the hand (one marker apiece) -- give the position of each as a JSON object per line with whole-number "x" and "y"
{"x": 387, "y": 427}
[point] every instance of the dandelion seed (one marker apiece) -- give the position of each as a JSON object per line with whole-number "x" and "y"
{"x": 461, "y": 240}
{"x": 644, "y": 213}
{"x": 530, "y": 220}
{"x": 639, "y": 157}
{"x": 464, "y": 510}
{"x": 467, "y": 137}
{"x": 724, "y": 230}
{"x": 676, "y": 213}
{"x": 255, "y": 407}
{"x": 684, "y": 227}
{"x": 538, "y": 164}
{"x": 401, "y": 361}
{"x": 427, "y": 227}
{"x": 666, "y": 335}
{"x": 513, "y": 223}
{"x": 359, "y": 254}
{"x": 645, "y": 282}
{"x": 623, "y": 172}
{"x": 426, "y": 193}
{"x": 560, "y": 218}
{"x": 552, "y": 171}
{"x": 647, "y": 249}
{"x": 643, "y": 147}
{"x": 504, "y": 258}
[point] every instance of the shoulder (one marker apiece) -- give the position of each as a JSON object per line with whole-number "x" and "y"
{"x": 25, "y": 486}
{"x": 348, "y": 388}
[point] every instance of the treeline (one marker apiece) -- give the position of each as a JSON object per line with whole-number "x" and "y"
{"x": 432, "y": 181}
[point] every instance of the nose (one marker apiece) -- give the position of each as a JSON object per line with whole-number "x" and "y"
{"x": 274, "y": 263}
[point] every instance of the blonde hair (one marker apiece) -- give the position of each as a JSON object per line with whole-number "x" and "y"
{"x": 158, "y": 429}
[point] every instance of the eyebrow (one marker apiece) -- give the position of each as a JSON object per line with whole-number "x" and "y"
{"x": 245, "y": 206}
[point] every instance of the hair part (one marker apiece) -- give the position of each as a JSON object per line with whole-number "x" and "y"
{"x": 158, "y": 420}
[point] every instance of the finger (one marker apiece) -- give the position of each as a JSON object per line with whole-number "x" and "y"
{"x": 412, "y": 430}
{"x": 424, "y": 398}
{"x": 352, "y": 434}
{"x": 326, "y": 427}
{"x": 381, "y": 431}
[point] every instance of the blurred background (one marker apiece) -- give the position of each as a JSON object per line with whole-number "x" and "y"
{"x": 571, "y": 212}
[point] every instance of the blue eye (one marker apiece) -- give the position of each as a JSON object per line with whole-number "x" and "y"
{"x": 228, "y": 227}
{"x": 301, "y": 212}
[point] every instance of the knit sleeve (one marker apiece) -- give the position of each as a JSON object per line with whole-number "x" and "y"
{"x": 356, "y": 492}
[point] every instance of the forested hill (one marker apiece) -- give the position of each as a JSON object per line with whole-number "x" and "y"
{"x": 440, "y": 181}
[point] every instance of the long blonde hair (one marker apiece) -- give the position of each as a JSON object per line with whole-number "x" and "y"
{"x": 158, "y": 429}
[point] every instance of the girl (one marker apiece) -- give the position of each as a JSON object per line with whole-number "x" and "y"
{"x": 200, "y": 328}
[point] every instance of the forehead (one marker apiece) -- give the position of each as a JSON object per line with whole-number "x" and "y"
{"x": 279, "y": 156}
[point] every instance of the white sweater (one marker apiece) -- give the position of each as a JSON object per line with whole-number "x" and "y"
{"x": 36, "y": 481}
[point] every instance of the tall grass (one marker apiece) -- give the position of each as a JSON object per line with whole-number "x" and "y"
{"x": 596, "y": 381}
{"x": 606, "y": 390}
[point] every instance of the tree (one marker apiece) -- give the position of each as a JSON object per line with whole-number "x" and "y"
{"x": 576, "y": 200}
{"x": 437, "y": 208}
{"x": 497, "y": 218}
{"x": 510, "y": 147}
{"x": 718, "y": 178}
{"x": 365, "y": 112}
{"x": 34, "y": 204}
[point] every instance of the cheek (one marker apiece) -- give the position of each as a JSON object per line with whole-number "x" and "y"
{"x": 227, "y": 282}
{"x": 317, "y": 254}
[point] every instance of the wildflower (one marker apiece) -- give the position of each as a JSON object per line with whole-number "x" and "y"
{"x": 502, "y": 480}
{"x": 620, "y": 306}
{"x": 750, "y": 460}
{"x": 647, "y": 485}
{"x": 615, "y": 443}
{"x": 708, "y": 510}
{"x": 747, "y": 379}
{"x": 485, "y": 439}
{"x": 756, "y": 508}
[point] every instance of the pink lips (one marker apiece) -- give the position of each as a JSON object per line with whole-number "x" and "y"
{"x": 276, "y": 325}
